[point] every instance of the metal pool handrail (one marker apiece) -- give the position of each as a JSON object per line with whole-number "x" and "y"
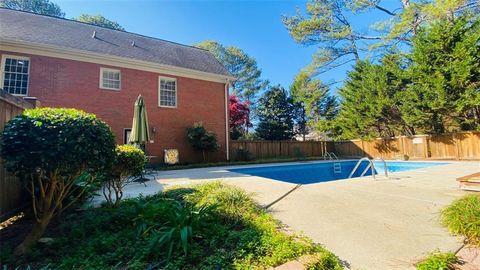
{"x": 371, "y": 165}
{"x": 330, "y": 155}
{"x": 385, "y": 168}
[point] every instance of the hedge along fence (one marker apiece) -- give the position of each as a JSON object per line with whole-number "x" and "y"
{"x": 11, "y": 190}
{"x": 280, "y": 149}
{"x": 459, "y": 146}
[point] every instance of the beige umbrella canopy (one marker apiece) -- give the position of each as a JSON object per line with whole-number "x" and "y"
{"x": 139, "y": 134}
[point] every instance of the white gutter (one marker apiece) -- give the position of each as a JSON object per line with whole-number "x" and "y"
{"x": 227, "y": 139}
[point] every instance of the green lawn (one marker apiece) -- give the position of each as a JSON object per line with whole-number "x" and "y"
{"x": 207, "y": 226}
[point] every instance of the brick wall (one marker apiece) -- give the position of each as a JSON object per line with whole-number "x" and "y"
{"x": 67, "y": 83}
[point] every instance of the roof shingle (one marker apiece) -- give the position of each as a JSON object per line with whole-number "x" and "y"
{"x": 28, "y": 27}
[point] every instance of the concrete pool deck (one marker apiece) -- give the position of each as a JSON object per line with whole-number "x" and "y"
{"x": 368, "y": 224}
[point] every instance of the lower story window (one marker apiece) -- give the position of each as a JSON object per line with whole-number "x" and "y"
{"x": 126, "y": 135}
{"x": 15, "y": 73}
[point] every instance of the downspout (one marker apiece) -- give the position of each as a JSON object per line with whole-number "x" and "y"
{"x": 227, "y": 139}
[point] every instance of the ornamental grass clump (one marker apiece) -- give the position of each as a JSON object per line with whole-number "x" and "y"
{"x": 463, "y": 218}
{"x": 57, "y": 153}
{"x": 129, "y": 161}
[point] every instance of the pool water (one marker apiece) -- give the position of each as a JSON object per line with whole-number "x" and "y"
{"x": 324, "y": 171}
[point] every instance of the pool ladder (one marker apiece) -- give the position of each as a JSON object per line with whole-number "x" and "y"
{"x": 337, "y": 168}
{"x": 330, "y": 155}
{"x": 371, "y": 165}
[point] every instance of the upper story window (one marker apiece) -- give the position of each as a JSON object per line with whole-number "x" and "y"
{"x": 15, "y": 73}
{"x": 110, "y": 79}
{"x": 167, "y": 96}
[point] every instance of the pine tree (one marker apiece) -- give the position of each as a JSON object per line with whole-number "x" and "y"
{"x": 316, "y": 107}
{"x": 445, "y": 91}
{"x": 369, "y": 105}
{"x": 275, "y": 113}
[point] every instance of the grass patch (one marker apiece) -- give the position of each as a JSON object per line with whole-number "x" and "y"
{"x": 207, "y": 226}
{"x": 324, "y": 261}
{"x": 165, "y": 167}
{"x": 462, "y": 217}
{"x": 438, "y": 261}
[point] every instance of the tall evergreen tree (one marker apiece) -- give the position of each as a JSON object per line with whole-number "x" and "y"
{"x": 275, "y": 113}
{"x": 369, "y": 105}
{"x": 242, "y": 66}
{"x": 316, "y": 106}
{"x": 99, "y": 20}
{"x": 445, "y": 91}
{"x": 44, "y": 7}
{"x": 300, "y": 120}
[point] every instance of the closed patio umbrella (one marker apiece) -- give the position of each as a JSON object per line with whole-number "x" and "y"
{"x": 139, "y": 133}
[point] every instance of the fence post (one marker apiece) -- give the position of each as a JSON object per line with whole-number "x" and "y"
{"x": 457, "y": 146}
{"x": 425, "y": 146}
{"x": 402, "y": 146}
{"x": 363, "y": 149}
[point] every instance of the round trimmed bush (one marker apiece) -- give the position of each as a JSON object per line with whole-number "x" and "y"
{"x": 56, "y": 140}
{"x": 129, "y": 161}
{"x": 51, "y": 149}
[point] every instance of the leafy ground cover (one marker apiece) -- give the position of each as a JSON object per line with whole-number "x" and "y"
{"x": 462, "y": 217}
{"x": 207, "y": 226}
{"x": 438, "y": 261}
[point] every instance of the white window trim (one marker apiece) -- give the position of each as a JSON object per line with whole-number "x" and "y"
{"x": 160, "y": 78}
{"x": 2, "y": 70}
{"x": 102, "y": 69}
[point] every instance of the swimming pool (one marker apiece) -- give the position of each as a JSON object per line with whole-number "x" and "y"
{"x": 323, "y": 171}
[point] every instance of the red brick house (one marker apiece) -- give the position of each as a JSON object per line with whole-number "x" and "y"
{"x": 64, "y": 63}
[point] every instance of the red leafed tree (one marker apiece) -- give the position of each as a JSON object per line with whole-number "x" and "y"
{"x": 239, "y": 116}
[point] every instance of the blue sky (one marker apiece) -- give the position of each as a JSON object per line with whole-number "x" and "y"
{"x": 254, "y": 26}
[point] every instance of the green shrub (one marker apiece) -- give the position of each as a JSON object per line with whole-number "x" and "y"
{"x": 49, "y": 149}
{"x": 242, "y": 154}
{"x": 463, "y": 217}
{"x": 129, "y": 161}
{"x": 438, "y": 261}
{"x": 201, "y": 139}
{"x": 324, "y": 261}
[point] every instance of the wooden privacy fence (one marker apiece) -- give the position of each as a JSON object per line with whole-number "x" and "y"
{"x": 275, "y": 149}
{"x": 459, "y": 146}
{"x": 11, "y": 191}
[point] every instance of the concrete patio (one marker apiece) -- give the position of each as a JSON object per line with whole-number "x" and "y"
{"x": 383, "y": 224}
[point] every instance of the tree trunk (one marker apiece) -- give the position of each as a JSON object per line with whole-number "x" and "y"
{"x": 35, "y": 234}
{"x": 203, "y": 154}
